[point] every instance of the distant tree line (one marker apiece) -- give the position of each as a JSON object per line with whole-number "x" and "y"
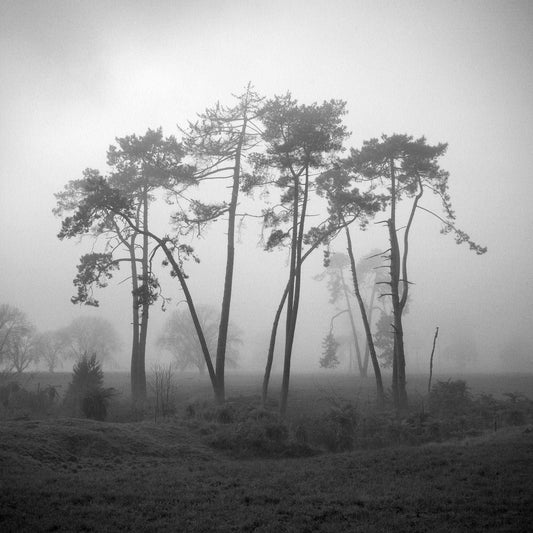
{"x": 22, "y": 345}
{"x": 293, "y": 151}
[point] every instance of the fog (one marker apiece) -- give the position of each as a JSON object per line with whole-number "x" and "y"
{"x": 77, "y": 75}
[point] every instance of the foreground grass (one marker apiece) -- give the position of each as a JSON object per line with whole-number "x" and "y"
{"x": 79, "y": 475}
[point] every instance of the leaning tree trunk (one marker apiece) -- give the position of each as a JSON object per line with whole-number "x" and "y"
{"x": 362, "y": 369}
{"x": 273, "y": 334}
{"x": 370, "y": 313}
{"x": 295, "y": 280}
{"x": 375, "y": 363}
{"x": 271, "y": 346}
{"x": 290, "y": 304}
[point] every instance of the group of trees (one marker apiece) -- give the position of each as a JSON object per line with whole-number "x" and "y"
{"x": 291, "y": 149}
{"x": 22, "y": 345}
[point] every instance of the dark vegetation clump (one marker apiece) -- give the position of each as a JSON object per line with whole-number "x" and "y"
{"x": 242, "y": 428}
{"x": 333, "y": 431}
{"x": 450, "y": 412}
{"x": 86, "y": 394}
{"x": 450, "y": 398}
{"x": 18, "y": 402}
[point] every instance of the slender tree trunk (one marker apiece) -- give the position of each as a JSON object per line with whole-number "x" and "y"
{"x": 272, "y": 345}
{"x": 192, "y": 310}
{"x": 375, "y": 363}
{"x": 362, "y": 371}
{"x": 370, "y": 313}
{"x": 398, "y": 366}
{"x": 294, "y": 289}
{"x": 290, "y": 303}
{"x": 145, "y": 308}
{"x": 431, "y": 359}
{"x": 273, "y": 334}
{"x": 228, "y": 280}
{"x": 135, "y": 322}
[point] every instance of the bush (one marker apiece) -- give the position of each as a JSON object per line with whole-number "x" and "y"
{"x": 334, "y": 430}
{"x": 163, "y": 387}
{"x": 449, "y": 398}
{"x": 86, "y": 394}
{"x": 19, "y": 402}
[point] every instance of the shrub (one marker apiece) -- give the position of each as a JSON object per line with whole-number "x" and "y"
{"x": 334, "y": 430}
{"x": 163, "y": 387}
{"x": 17, "y": 401}
{"x": 251, "y": 438}
{"x": 449, "y": 398}
{"x": 86, "y": 394}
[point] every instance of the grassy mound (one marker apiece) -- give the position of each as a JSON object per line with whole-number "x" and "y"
{"x": 80, "y": 475}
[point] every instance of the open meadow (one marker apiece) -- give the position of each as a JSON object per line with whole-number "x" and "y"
{"x": 333, "y": 465}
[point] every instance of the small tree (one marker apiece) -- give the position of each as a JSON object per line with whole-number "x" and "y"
{"x": 339, "y": 290}
{"x": 17, "y": 339}
{"x": 329, "y": 357}
{"x": 86, "y": 394}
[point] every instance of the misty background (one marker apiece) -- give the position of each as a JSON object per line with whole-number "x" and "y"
{"x": 75, "y": 75}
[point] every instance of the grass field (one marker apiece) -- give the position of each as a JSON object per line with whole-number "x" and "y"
{"x": 60, "y": 474}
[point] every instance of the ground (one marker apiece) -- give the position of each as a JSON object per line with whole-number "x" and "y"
{"x": 82, "y": 475}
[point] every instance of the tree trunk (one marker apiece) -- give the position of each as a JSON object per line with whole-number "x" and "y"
{"x": 143, "y": 334}
{"x": 370, "y": 312}
{"x": 135, "y": 396}
{"x": 375, "y": 363}
{"x": 398, "y": 365}
{"x": 295, "y": 276}
{"x": 290, "y": 305}
{"x": 228, "y": 280}
{"x": 273, "y": 334}
{"x": 272, "y": 345}
{"x": 194, "y": 314}
{"x": 431, "y": 359}
{"x": 362, "y": 370}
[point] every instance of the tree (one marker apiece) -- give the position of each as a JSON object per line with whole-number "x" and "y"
{"x": 338, "y": 289}
{"x": 403, "y": 168}
{"x": 90, "y": 335}
{"x": 329, "y": 357}
{"x": 219, "y": 140}
{"x": 180, "y": 339}
{"x": 299, "y": 140}
{"x": 346, "y": 205}
{"x": 85, "y": 393}
{"x": 384, "y": 339}
{"x": 139, "y": 165}
{"x": 105, "y": 196}
{"x": 50, "y": 347}
{"x": 372, "y": 273}
{"x": 17, "y": 335}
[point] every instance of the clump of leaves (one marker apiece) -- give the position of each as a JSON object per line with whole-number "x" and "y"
{"x": 86, "y": 394}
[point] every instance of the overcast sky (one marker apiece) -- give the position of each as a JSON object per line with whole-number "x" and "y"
{"x": 77, "y": 74}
